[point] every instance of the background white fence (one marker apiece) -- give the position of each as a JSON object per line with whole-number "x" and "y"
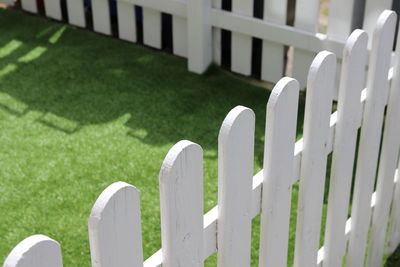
{"x": 197, "y": 25}
{"x": 188, "y": 238}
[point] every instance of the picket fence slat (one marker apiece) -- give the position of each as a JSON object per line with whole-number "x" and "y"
{"x": 314, "y": 158}
{"x": 216, "y": 36}
{"x": 126, "y": 21}
{"x": 181, "y": 202}
{"x": 273, "y": 53}
{"x": 152, "y": 27}
{"x": 115, "y": 233}
{"x": 35, "y": 251}
{"x": 280, "y": 136}
{"x": 306, "y": 18}
{"x": 29, "y": 5}
{"x": 179, "y": 35}
{"x": 235, "y": 172}
{"x": 387, "y": 165}
{"x": 241, "y": 43}
{"x": 340, "y": 18}
{"x": 101, "y": 16}
{"x": 76, "y": 13}
{"x": 377, "y": 93}
{"x": 394, "y": 230}
{"x": 349, "y": 114}
{"x": 53, "y": 9}
{"x": 373, "y": 10}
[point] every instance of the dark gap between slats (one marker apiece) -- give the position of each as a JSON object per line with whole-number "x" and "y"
{"x": 139, "y": 24}
{"x": 113, "y": 17}
{"x": 358, "y": 14}
{"x": 166, "y": 32}
{"x": 396, "y": 7}
{"x": 88, "y": 14}
{"x": 64, "y": 11}
{"x": 256, "y": 54}
{"x": 226, "y": 39}
{"x": 40, "y": 7}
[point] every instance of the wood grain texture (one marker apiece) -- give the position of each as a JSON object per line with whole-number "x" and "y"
{"x": 280, "y": 136}
{"x": 181, "y": 202}
{"x": 35, "y": 251}
{"x": 115, "y": 233}
{"x": 349, "y": 114}
{"x": 314, "y": 158}
{"x": 235, "y": 172}
{"x": 377, "y": 94}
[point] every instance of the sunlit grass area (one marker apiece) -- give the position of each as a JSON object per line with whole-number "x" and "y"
{"x": 79, "y": 111}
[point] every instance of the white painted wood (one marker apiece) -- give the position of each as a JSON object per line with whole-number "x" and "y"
{"x": 394, "y": 230}
{"x": 173, "y": 7}
{"x": 377, "y": 94}
{"x": 35, "y": 251}
{"x": 241, "y": 43}
{"x": 387, "y": 165}
{"x": 273, "y": 53}
{"x": 181, "y": 200}
{"x": 306, "y": 18}
{"x": 216, "y": 36}
{"x": 152, "y": 27}
{"x": 179, "y": 35}
{"x": 53, "y": 9}
{"x": 340, "y": 19}
{"x": 76, "y": 13}
{"x": 373, "y": 10}
{"x": 115, "y": 233}
{"x": 29, "y": 5}
{"x": 349, "y": 114}
{"x": 235, "y": 172}
{"x": 126, "y": 21}
{"x": 274, "y": 32}
{"x": 280, "y": 136}
{"x": 200, "y": 50}
{"x": 314, "y": 158}
{"x": 101, "y": 16}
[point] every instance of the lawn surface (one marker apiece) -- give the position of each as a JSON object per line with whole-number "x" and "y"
{"x": 79, "y": 111}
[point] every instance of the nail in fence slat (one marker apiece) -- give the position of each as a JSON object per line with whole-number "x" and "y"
{"x": 53, "y": 9}
{"x": 181, "y": 200}
{"x": 76, "y": 13}
{"x": 349, "y": 114}
{"x": 387, "y": 167}
{"x": 101, "y": 16}
{"x": 235, "y": 172}
{"x": 314, "y": 158}
{"x": 241, "y": 43}
{"x": 179, "y": 35}
{"x": 29, "y": 5}
{"x": 273, "y": 53}
{"x": 306, "y": 18}
{"x": 152, "y": 27}
{"x": 394, "y": 230}
{"x": 377, "y": 92}
{"x": 115, "y": 233}
{"x": 280, "y": 137}
{"x": 35, "y": 251}
{"x": 126, "y": 21}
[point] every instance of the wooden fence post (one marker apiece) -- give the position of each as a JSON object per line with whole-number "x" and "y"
{"x": 280, "y": 136}
{"x": 115, "y": 233}
{"x": 371, "y": 130}
{"x": 35, "y": 251}
{"x": 199, "y": 35}
{"x": 181, "y": 200}
{"x": 314, "y": 158}
{"x": 235, "y": 172}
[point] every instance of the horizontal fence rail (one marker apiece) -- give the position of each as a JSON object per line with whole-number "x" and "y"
{"x": 197, "y": 25}
{"x": 188, "y": 237}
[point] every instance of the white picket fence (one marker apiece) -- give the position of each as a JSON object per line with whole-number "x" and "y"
{"x": 188, "y": 238}
{"x": 196, "y": 29}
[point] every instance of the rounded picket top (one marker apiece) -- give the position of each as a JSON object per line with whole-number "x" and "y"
{"x": 322, "y": 66}
{"x": 239, "y": 117}
{"x": 358, "y": 40}
{"x": 284, "y": 93}
{"x": 115, "y": 233}
{"x": 35, "y": 251}
{"x": 386, "y": 24}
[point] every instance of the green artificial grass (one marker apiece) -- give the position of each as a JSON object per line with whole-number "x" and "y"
{"x": 79, "y": 111}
